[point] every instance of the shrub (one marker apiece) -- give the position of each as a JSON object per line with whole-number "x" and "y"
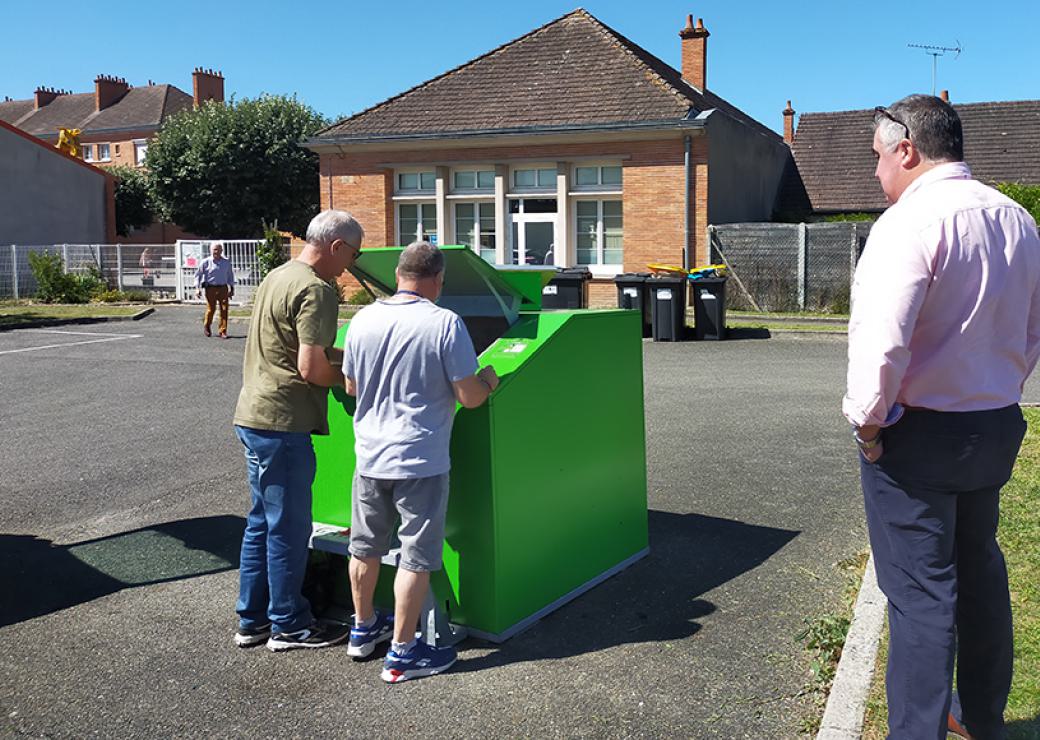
{"x": 359, "y": 297}
{"x": 54, "y": 285}
{"x": 123, "y": 296}
{"x": 270, "y": 253}
{"x": 1027, "y": 196}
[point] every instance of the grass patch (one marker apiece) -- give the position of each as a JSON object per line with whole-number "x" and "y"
{"x": 1019, "y": 537}
{"x": 782, "y": 326}
{"x": 18, "y": 314}
{"x": 824, "y": 637}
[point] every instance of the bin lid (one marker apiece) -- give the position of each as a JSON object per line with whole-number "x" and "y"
{"x": 472, "y": 287}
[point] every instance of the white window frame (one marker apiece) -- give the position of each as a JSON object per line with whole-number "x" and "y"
{"x": 403, "y": 239}
{"x": 140, "y": 151}
{"x": 88, "y": 152}
{"x": 476, "y": 170}
{"x": 599, "y": 188}
{"x": 476, "y": 220}
{"x": 419, "y": 172}
{"x": 600, "y": 269}
{"x": 536, "y": 188}
{"x": 104, "y": 154}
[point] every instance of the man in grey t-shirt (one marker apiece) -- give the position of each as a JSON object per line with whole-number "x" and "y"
{"x": 408, "y": 362}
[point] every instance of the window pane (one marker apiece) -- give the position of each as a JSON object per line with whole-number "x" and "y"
{"x": 486, "y": 179}
{"x": 540, "y": 205}
{"x": 103, "y": 152}
{"x": 524, "y": 178}
{"x": 611, "y": 176}
{"x": 487, "y": 210}
{"x": 140, "y": 150}
{"x": 585, "y": 176}
{"x": 587, "y": 209}
{"x": 613, "y": 253}
{"x": 464, "y": 210}
{"x": 465, "y": 180}
{"x": 427, "y": 181}
{"x": 408, "y": 222}
{"x": 547, "y": 178}
{"x": 465, "y": 226}
{"x": 408, "y": 181}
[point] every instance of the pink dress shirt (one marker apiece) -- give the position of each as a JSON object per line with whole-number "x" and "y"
{"x": 945, "y": 302}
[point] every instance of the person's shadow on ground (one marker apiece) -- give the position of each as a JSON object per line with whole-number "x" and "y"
{"x": 40, "y": 577}
{"x": 654, "y": 600}
{"x": 1024, "y": 729}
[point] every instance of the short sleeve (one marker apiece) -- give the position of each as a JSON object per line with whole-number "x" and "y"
{"x": 348, "y": 353}
{"x": 460, "y": 360}
{"x": 316, "y": 316}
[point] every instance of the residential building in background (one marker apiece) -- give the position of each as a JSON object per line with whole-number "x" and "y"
{"x": 569, "y": 146}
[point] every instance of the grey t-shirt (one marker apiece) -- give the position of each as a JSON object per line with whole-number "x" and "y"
{"x": 403, "y": 358}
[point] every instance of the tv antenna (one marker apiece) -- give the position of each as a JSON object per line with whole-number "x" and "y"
{"x": 935, "y": 52}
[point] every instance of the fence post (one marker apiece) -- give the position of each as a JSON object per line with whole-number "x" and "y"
{"x": 14, "y": 270}
{"x": 803, "y": 264}
{"x": 119, "y": 266}
{"x": 853, "y": 251}
{"x": 65, "y": 258}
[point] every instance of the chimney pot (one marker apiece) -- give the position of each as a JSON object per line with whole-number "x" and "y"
{"x": 207, "y": 85}
{"x": 108, "y": 89}
{"x": 695, "y": 53}
{"x": 44, "y": 95}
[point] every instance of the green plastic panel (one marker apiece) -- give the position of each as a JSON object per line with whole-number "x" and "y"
{"x": 548, "y": 481}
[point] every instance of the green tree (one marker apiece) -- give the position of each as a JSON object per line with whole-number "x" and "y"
{"x": 271, "y": 251}
{"x": 1027, "y": 196}
{"x": 134, "y": 207}
{"x": 222, "y": 170}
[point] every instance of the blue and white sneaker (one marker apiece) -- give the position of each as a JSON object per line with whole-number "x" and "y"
{"x": 421, "y": 660}
{"x": 363, "y": 640}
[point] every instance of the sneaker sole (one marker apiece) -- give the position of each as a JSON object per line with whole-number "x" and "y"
{"x": 244, "y": 641}
{"x": 277, "y": 646}
{"x": 363, "y": 651}
{"x": 394, "y": 676}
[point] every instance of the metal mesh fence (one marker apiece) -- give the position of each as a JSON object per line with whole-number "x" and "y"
{"x": 789, "y": 267}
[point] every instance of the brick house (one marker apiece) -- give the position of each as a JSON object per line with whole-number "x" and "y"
{"x": 116, "y": 122}
{"x": 833, "y": 164}
{"x": 570, "y": 145}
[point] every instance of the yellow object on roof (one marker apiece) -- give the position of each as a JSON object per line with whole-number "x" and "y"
{"x": 68, "y": 141}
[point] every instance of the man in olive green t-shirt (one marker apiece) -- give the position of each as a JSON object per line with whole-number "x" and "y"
{"x": 285, "y": 380}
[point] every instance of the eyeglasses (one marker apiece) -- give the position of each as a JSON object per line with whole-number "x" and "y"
{"x": 883, "y": 112}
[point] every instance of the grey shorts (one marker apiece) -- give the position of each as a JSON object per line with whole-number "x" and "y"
{"x": 421, "y": 503}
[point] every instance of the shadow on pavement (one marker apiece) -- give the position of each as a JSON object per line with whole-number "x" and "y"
{"x": 747, "y": 332}
{"x": 39, "y": 577}
{"x": 655, "y": 600}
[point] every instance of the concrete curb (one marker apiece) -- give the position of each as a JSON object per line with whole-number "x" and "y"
{"x": 843, "y": 718}
{"x": 41, "y": 323}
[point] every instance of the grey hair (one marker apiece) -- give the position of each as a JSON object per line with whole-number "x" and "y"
{"x": 933, "y": 124}
{"x": 328, "y": 226}
{"x": 420, "y": 260}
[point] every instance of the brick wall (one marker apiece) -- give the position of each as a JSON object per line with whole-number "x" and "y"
{"x": 652, "y": 200}
{"x": 124, "y": 142}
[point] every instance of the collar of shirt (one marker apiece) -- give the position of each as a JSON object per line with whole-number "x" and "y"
{"x": 945, "y": 171}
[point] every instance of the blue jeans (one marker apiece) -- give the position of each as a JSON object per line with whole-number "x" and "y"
{"x": 274, "y": 547}
{"x": 932, "y": 503}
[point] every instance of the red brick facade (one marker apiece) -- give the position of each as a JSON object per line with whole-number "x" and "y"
{"x": 653, "y": 190}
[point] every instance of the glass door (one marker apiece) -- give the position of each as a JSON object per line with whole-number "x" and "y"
{"x": 534, "y": 231}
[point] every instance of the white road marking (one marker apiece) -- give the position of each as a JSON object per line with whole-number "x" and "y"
{"x": 102, "y": 338}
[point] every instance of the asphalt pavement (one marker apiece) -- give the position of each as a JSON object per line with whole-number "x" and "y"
{"x": 122, "y": 497}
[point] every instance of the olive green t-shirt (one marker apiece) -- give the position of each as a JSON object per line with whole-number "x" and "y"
{"x": 292, "y": 306}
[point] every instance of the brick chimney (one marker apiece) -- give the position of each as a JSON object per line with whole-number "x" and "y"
{"x": 695, "y": 53}
{"x": 43, "y": 95}
{"x": 788, "y": 124}
{"x": 207, "y": 85}
{"x": 945, "y": 95}
{"x": 108, "y": 90}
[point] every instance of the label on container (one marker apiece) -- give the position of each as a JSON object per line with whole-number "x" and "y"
{"x": 664, "y": 294}
{"x": 549, "y": 290}
{"x": 515, "y": 348}
{"x": 630, "y": 292}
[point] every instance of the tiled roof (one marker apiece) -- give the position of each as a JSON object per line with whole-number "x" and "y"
{"x": 836, "y": 165}
{"x": 574, "y": 71}
{"x": 141, "y": 107}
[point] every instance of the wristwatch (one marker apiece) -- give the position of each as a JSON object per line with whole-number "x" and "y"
{"x": 865, "y": 444}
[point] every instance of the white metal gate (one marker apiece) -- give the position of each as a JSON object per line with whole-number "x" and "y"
{"x": 244, "y": 263}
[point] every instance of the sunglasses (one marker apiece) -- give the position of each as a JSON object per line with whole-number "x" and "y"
{"x": 883, "y": 112}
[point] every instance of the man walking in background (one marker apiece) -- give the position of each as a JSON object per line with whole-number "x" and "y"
{"x": 945, "y": 329}
{"x": 215, "y": 276}
{"x": 284, "y": 400}
{"x": 408, "y": 362}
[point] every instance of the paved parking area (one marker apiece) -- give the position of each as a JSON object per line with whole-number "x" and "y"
{"x": 122, "y": 496}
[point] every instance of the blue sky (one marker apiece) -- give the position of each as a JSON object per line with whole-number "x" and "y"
{"x": 342, "y": 57}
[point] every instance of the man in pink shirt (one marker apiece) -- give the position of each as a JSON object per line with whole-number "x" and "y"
{"x": 945, "y": 329}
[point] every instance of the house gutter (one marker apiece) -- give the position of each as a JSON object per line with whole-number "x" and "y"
{"x": 314, "y": 143}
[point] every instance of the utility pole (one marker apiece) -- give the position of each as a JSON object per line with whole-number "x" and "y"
{"x": 935, "y": 52}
